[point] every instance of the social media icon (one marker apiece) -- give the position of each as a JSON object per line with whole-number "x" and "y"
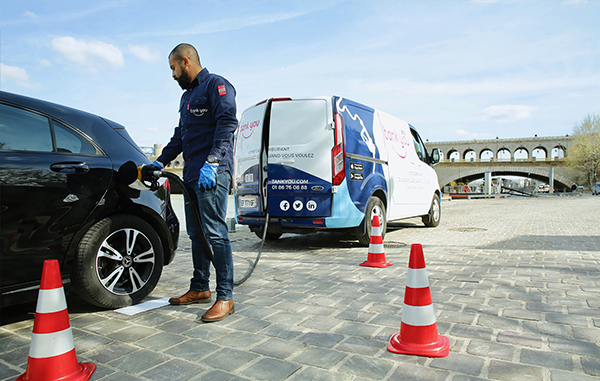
{"x": 311, "y": 205}
{"x": 284, "y": 205}
{"x": 298, "y": 205}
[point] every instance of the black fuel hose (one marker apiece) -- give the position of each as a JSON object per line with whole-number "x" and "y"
{"x": 192, "y": 202}
{"x": 253, "y": 266}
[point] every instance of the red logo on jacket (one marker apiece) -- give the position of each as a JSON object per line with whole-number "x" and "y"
{"x": 222, "y": 90}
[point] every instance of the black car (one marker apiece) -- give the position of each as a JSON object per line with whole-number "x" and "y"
{"x": 65, "y": 195}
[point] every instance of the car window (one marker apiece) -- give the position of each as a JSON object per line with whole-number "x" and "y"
{"x": 69, "y": 141}
{"x": 21, "y": 130}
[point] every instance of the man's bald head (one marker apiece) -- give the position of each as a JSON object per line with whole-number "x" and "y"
{"x": 185, "y": 50}
{"x": 185, "y": 64}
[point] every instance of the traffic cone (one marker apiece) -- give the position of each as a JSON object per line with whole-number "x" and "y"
{"x": 376, "y": 256}
{"x": 52, "y": 354}
{"x": 418, "y": 332}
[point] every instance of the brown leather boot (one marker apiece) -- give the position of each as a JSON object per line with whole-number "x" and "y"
{"x": 219, "y": 311}
{"x": 192, "y": 297}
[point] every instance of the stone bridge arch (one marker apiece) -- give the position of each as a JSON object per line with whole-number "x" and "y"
{"x": 511, "y": 145}
{"x": 550, "y": 169}
{"x": 562, "y": 177}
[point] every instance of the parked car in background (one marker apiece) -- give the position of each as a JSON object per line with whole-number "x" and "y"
{"x": 65, "y": 195}
{"x": 596, "y": 189}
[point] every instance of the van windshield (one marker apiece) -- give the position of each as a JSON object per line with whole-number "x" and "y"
{"x": 297, "y": 122}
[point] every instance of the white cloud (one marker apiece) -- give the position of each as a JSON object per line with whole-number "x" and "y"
{"x": 91, "y": 54}
{"x": 17, "y": 75}
{"x": 505, "y": 113}
{"x": 45, "y": 63}
{"x": 144, "y": 53}
{"x": 30, "y": 14}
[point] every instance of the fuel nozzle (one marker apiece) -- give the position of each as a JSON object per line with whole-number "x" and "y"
{"x": 148, "y": 175}
{"x": 141, "y": 178}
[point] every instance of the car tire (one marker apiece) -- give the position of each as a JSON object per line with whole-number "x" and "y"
{"x": 432, "y": 219}
{"x": 374, "y": 207}
{"x": 118, "y": 263}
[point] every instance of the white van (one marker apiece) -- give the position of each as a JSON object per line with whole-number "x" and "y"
{"x": 330, "y": 163}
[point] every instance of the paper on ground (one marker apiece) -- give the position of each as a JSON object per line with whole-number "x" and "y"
{"x": 146, "y": 306}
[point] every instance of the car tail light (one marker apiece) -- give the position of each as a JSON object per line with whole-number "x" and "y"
{"x": 338, "y": 155}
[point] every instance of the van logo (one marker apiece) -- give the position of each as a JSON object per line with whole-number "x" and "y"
{"x": 399, "y": 143}
{"x": 317, "y": 188}
{"x": 248, "y": 128}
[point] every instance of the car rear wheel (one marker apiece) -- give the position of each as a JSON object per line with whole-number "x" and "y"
{"x": 119, "y": 262}
{"x": 432, "y": 219}
{"x": 375, "y": 207}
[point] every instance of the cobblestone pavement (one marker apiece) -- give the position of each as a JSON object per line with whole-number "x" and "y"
{"x": 515, "y": 285}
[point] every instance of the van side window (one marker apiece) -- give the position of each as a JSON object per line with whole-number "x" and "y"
{"x": 419, "y": 147}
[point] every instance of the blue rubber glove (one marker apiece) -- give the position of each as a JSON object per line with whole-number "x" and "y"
{"x": 208, "y": 176}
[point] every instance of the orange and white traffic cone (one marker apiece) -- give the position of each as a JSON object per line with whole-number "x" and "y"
{"x": 376, "y": 256}
{"x": 418, "y": 331}
{"x": 52, "y": 354}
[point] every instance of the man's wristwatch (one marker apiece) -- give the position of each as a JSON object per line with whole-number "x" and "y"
{"x": 212, "y": 159}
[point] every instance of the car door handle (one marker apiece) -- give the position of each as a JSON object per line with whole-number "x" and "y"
{"x": 70, "y": 168}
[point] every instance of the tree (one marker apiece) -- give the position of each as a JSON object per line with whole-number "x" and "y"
{"x": 584, "y": 153}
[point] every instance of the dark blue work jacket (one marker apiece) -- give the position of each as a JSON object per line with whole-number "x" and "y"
{"x": 207, "y": 121}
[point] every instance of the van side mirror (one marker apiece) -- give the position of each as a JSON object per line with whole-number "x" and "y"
{"x": 435, "y": 156}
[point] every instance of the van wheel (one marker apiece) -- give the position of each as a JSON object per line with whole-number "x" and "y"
{"x": 432, "y": 219}
{"x": 118, "y": 262}
{"x": 375, "y": 207}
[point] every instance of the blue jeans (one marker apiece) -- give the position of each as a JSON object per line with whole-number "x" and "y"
{"x": 212, "y": 205}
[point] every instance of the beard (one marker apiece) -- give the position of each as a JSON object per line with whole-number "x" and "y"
{"x": 184, "y": 80}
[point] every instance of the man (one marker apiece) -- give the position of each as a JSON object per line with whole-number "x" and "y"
{"x": 207, "y": 120}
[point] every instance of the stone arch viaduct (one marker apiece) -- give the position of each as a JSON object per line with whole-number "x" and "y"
{"x": 539, "y": 158}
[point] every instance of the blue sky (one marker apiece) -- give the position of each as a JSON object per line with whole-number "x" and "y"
{"x": 457, "y": 70}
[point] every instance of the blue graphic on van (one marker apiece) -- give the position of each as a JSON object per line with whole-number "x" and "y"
{"x": 358, "y": 122}
{"x": 293, "y": 192}
{"x": 364, "y": 174}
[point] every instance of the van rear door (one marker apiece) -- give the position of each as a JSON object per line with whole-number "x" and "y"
{"x": 250, "y": 161}
{"x": 299, "y": 170}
